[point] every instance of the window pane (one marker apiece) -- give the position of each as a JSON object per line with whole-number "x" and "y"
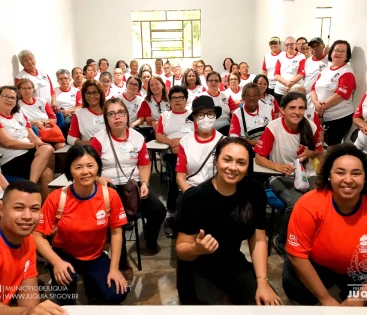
{"x": 174, "y": 25}
{"x": 137, "y": 51}
{"x": 187, "y": 39}
{"x": 146, "y": 40}
{"x": 148, "y": 15}
{"x": 323, "y": 12}
{"x": 164, "y": 45}
{"x": 183, "y": 15}
{"x": 166, "y": 35}
{"x": 326, "y": 30}
{"x": 167, "y": 54}
{"x": 196, "y": 25}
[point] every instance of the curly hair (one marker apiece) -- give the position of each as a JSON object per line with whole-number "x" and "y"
{"x": 331, "y": 155}
{"x": 186, "y": 73}
{"x": 84, "y": 89}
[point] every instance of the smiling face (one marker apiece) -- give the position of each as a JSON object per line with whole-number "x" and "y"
{"x": 233, "y": 82}
{"x": 155, "y": 86}
{"x": 158, "y": 66}
{"x": 263, "y": 85}
{"x": 132, "y": 86}
{"x": 26, "y": 90}
{"x": 29, "y": 63}
{"x": 145, "y": 77}
{"x": 200, "y": 68}
{"x": 84, "y": 170}
{"x": 339, "y": 54}
{"x": 251, "y": 98}
{"x": 294, "y": 112}
{"x": 92, "y": 96}
{"x": 299, "y": 44}
{"x": 227, "y": 64}
{"x": 274, "y": 47}
{"x": 122, "y": 66}
{"x": 244, "y": 69}
{"x": 232, "y": 163}
{"x": 8, "y": 99}
{"x": 317, "y": 50}
{"x": 207, "y": 70}
{"x": 290, "y": 45}
{"x": 347, "y": 178}
{"x": 117, "y": 74}
{"x": 106, "y": 83}
{"x": 78, "y": 75}
{"x": 20, "y": 214}
{"x": 191, "y": 78}
{"x": 134, "y": 66}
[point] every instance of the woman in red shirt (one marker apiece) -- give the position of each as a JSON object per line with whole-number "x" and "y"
{"x": 327, "y": 234}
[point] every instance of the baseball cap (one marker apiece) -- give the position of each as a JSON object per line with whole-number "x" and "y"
{"x": 316, "y": 40}
{"x": 274, "y": 39}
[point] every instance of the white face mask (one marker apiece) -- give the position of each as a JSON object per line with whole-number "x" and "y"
{"x": 206, "y": 124}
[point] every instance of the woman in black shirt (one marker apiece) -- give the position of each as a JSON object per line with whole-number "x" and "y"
{"x": 216, "y": 217}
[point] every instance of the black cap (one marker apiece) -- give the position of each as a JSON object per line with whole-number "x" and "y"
{"x": 316, "y": 40}
{"x": 204, "y": 101}
{"x": 89, "y": 61}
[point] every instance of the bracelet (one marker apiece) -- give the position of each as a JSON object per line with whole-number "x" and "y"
{"x": 262, "y": 278}
{"x": 145, "y": 182}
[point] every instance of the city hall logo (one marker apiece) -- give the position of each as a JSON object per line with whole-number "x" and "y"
{"x": 358, "y": 264}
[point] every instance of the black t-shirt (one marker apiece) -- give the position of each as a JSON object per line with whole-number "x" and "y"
{"x": 203, "y": 207}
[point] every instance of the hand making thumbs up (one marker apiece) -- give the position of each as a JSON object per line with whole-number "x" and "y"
{"x": 205, "y": 244}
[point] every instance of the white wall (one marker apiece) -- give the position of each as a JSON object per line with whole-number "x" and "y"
{"x": 42, "y": 26}
{"x": 103, "y": 29}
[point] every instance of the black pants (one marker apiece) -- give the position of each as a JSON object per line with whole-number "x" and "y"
{"x": 337, "y": 129}
{"x": 278, "y": 97}
{"x": 94, "y": 274}
{"x": 154, "y": 211}
{"x": 296, "y": 290}
{"x": 171, "y": 160}
{"x": 206, "y": 286}
{"x": 224, "y": 130}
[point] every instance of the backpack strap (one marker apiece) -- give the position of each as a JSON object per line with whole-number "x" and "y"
{"x": 106, "y": 198}
{"x": 62, "y": 202}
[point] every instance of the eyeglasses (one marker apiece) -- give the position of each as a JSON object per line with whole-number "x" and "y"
{"x": 136, "y": 85}
{"x": 120, "y": 113}
{"x": 9, "y": 98}
{"x": 177, "y": 98}
{"x": 340, "y": 51}
{"x": 289, "y": 45}
{"x": 200, "y": 66}
{"x": 64, "y": 79}
{"x": 210, "y": 115}
{"x": 95, "y": 93}
{"x": 233, "y": 79}
{"x": 213, "y": 81}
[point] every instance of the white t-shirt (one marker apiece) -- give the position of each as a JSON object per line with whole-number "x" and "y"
{"x": 68, "y": 99}
{"x": 270, "y": 101}
{"x": 143, "y": 92}
{"x": 131, "y": 154}
{"x": 167, "y": 81}
{"x": 192, "y": 152}
{"x": 194, "y": 93}
{"x": 134, "y": 107}
{"x": 42, "y": 83}
{"x": 227, "y": 105}
{"x": 313, "y": 68}
{"x": 336, "y": 81}
{"x": 289, "y": 68}
{"x": 174, "y": 124}
{"x": 15, "y": 127}
{"x": 39, "y": 109}
{"x": 269, "y": 63}
{"x": 112, "y": 93}
{"x": 255, "y": 122}
{"x": 235, "y": 95}
{"x": 85, "y": 124}
{"x": 119, "y": 89}
{"x": 361, "y": 112}
{"x": 250, "y": 79}
{"x": 155, "y": 109}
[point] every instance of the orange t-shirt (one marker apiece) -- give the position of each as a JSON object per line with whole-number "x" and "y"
{"x": 17, "y": 263}
{"x": 318, "y": 231}
{"x": 82, "y": 229}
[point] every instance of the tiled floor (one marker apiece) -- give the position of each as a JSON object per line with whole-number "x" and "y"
{"x": 156, "y": 283}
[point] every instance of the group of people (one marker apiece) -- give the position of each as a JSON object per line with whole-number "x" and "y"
{"x": 216, "y": 126}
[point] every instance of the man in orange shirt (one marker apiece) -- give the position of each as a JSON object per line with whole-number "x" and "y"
{"x": 19, "y": 215}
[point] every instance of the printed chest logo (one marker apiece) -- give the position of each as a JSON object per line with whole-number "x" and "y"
{"x": 21, "y": 124}
{"x": 122, "y": 215}
{"x": 322, "y": 66}
{"x": 44, "y": 77}
{"x": 41, "y": 109}
{"x": 358, "y": 264}
{"x": 101, "y": 217}
{"x": 335, "y": 77}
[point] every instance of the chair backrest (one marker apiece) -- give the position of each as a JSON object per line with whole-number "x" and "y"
{"x": 273, "y": 200}
{"x": 60, "y": 120}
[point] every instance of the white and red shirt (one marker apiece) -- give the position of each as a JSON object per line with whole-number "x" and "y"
{"x": 193, "y": 93}
{"x": 270, "y": 101}
{"x": 119, "y": 89}
{"x": 112, "y": 93}
{"x": 313, "y": 68}
{"x": 281, "y": 144}
{"x": 143, "y": 92}
{"x": 73, "y": 85}
{"x": 235, "y": 95}
{"x": 85, "y": 123}
{"x": 203, "y": 81}
{"x": 361, "y": 112}
{"x": 172, "y": 81}
{"x": 37, "y": 110}
{"x": 227, "y": 104}
{"x": 192, "y": 153}
{"x": 270, "y": 60}
{"x": 339, "y": 81}
{"x": 97, "y": 75}
{"x": 167, "y": 81}
{"x": 131, "y": 152}
{"x": 15, "y": 127}
{"x": 255, "y": 122}
{"x": 135, "y": 107}
{"x": 155, "y": 108}
{"x": 161, "y": 74}
{"x": 42, "y": 83}
{"x": 68, "y": 99}
{"x": 288, "y": 68}
{"x": 249, "y": 79}
{"x": 175, "y": 124}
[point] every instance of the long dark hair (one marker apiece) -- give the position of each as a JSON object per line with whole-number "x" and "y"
{"x": 98, "y": 86}
{"x": 149, "y": 91}
{"x": 304, "y": 127}
{"x": 244, "y": 210}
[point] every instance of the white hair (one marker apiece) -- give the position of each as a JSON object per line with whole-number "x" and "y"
{"x": 290, "y": 37}
{"x": 23, "y": 53}
{"x": 297, "y": 87}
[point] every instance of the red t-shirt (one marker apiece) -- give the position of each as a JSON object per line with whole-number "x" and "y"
{"x": 318, "y": 231}
{"x": 17, "y": 263}
{"x": 82, "y": 229}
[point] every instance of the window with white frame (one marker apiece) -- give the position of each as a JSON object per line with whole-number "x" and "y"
{"x": 322, "y": 23}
